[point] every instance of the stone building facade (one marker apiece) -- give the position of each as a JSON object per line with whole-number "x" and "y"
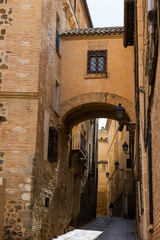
{"x": 30, "y": 81}
{"x": 83, "y": 163}
{"x": 36, "y": 74}
{"x": 120, "y": 183}
{"x": 2, "y": 203}
{"x": 102, "y": 208}
{"x": 142, "y": 30}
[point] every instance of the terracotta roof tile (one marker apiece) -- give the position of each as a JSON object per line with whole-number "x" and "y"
{"x": 93, "y": 31}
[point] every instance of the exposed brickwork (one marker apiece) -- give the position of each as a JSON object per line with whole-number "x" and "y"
{"x": 155, "y": 119}
{"x": 38, "y": 192}
{"x": 2, "y": 203}
{"x": 18, "y": 166}
{"x": 149, "y": 112}
{"x": 104, "y": 102}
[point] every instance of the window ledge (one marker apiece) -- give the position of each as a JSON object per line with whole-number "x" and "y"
{"x": 96, "y": 75}
{"x": 128, "y": 169}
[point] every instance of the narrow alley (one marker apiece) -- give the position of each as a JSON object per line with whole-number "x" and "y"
{"x": 103, "y": 228}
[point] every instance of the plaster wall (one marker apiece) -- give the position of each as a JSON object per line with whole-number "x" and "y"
{"x": 76, "y": 81}
{"x": 102, "y": 170}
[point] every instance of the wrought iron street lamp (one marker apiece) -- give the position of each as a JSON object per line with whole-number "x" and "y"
{"x": 117, "y": 166}
{"x": 125, "y": 147}
{"x": 107, "y": 175}
{"x": 119, "y": 110}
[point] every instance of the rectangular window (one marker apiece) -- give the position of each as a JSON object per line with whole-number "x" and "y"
{"x": 129, "y": 163}
{"x": 103, "y": 167}
{"x": 53, "y": 145}
{"x": 97, "y": 61}
{"x": 57, "y": 41}
{"x": 57, "y": 32}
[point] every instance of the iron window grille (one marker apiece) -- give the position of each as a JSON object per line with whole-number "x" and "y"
{"x": 97, "y": 62}
{"x": 53, "y": 145}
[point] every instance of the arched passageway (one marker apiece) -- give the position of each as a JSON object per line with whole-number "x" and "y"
{"x": 72, "y": 112}
{"x": 93, "y": 105}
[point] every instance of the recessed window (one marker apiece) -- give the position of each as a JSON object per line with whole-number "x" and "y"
{"x": 57, "y": 32}
{"x": 97, "y": 61}
{"x": 53, "y": 145}
{"x": 46, "y": 202}
{"x": 129, "y": 163}
{"x": 103, "y": 167}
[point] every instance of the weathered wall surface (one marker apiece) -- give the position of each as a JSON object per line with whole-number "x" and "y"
{"x": 149, "y": 113}
{"x": 155, "y": 120}
{"x": 75, "y": 80}
{"x": 19, "y": 73}
{"x": 54, "y": 182}
{"x": 120, "y": 186}
{"x": 102, "y": 207}
{"x": 18, "y": 135}
{"x": 2, "y": 203}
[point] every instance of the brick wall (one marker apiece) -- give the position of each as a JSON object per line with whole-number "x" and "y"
{"x": 30, "y": 68}
{"x": 155, "y": 120}
{"x": 19, "y": 72}
{"x": 102, "y": 208}
{"x": 2, "y": 203}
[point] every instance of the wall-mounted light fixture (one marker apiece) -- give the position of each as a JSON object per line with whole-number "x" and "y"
{"x": 117, "y": 166}
{"x": 125, "y": 148}
{"x": 119, "y": 111}
{"x": 107, "y": 175}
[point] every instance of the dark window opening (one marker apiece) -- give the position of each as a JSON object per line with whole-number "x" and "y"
{"x": 53, "y": 145}
{"x": 57, "y": 32}
{"x": 103, "y": 167}
{"x": 129, "y": 163}
{"x": 57, "y": 41}
{"x": 47, "y": 202}
{"x": 97, "y": 61}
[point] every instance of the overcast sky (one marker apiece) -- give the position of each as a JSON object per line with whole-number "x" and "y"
{"x": 106, "y": 13}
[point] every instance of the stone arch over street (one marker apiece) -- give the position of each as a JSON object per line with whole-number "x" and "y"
{"x": 93, "y": 105}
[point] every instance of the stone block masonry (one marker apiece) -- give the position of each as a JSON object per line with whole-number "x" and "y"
{"x": 18, "y": 144}
{"x": 102, "y": 204}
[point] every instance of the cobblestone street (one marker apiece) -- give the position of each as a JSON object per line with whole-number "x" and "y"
{"x": 103, "y": 228}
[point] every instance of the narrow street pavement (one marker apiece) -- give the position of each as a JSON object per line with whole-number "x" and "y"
{"x": 103, "y": 228}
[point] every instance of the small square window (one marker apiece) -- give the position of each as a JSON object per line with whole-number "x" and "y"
{"x": 103, "y": 167}
{"x": 97, "y": 61}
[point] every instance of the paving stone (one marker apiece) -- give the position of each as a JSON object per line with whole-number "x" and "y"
{"x": 103, "y": 228}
